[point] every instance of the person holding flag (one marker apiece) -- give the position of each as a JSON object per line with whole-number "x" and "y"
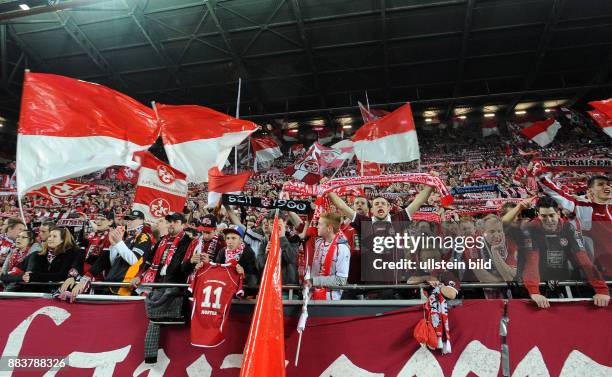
{"x": 330, "y": 265}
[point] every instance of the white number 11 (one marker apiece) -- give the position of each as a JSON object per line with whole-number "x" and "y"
{"x": 217, "y": 293}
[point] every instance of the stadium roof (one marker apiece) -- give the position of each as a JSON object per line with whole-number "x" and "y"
{"x": 305, "y": 57}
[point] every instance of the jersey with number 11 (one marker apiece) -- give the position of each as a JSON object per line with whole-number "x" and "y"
{"x": 213, "y": 289}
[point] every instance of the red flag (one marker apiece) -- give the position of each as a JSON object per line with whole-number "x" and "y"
{"x": 69, "y": 128}
{"x": 602, "y": 120}
{"x": 264, "y": 352}
{"x": 265, "y": 149}
{"x": 127, "y": 174}
{"x": 63, "y": 192}
{"x": 161, "y": 188}
{"x": 370, "y": 115}
{"x": 368, "y": 169}
{"x": 542, "y": 132}
{"x": 604, "y": 106}
{"x": 390, "y": 139}
{"x": 219, "y": 183}
{"x": 197, "y": 138}
{"x": 307, "y": 169}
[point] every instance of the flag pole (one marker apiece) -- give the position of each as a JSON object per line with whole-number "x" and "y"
{"x": 367, "y": 100}
{"x": 237, "y": 117}
{"x": 339, "y": 167}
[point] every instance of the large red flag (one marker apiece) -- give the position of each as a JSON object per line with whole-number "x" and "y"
{"x": 264, "y": 352}
{"x": 604, "y": 121}
{"x": 390, "y": 139}
{"x": 306, "y": 169}
{"x": 542, "y": 132}
{"x": 219, "y": 183}
{"x": 161, "y": 189}
{"x": 604, "y": 106}
{"x": 197, "y": 138}
{"x": 69, "y": 128}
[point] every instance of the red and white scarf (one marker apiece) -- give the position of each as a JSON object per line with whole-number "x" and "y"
{"x": 15, "y": 259}
{"x": 169, "y": 243}
{"x": 97, "y": 242}
{"x": 321, "y": 293}
{"x": 233, "y": 256}
{"x": 436, "y": 311}
{"x": 212, "y": 246}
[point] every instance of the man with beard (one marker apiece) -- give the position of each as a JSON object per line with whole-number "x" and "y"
{"x": 555, "y": 246}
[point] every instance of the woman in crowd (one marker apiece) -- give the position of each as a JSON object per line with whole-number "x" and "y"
{"x": 58, "y": 255}
{"x": 16, "y": 263}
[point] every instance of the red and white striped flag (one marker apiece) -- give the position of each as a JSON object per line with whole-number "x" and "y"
{"x": 69, "y": 128}
{"x": 219, "y": 183}
{"x": 63, "y": 192}
{"x": 489, "y": 127}
{"x": 161, "y": 188}
{"x": 307, "y": 169}
{"x": 197, "y": 138}
{"x": 265, "y": 149}
{"x": 542, "y": 132}
{"x": 603, "y": 115}
{"x": 390, "y": 139}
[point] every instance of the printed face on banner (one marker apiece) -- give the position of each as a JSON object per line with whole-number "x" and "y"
{"x": 159, "y": 207}
{"x": 165, "y": 175}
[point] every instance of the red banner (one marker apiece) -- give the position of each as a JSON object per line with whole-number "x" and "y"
{"x": 570, "y": 339}
{"x": 567, "y": 339}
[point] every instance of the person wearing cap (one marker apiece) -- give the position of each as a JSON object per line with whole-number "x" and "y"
{"x": 167, "y": 255}
{"x": 122, "y": 262}
{"x": 205, "y": 247}
{"x": 238, "y": 253}
{"x": 255, "y": 236}
{"x": 98, "y": 241}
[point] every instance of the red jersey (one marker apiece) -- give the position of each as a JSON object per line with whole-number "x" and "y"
{"x": 213, "y": 289}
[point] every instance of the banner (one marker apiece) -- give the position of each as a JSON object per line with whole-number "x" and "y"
{"x": 569, "y": 339}
{"x": 472, "y": 189}
{"x": 576, "y": 164}
{"x": 301, "y": 207}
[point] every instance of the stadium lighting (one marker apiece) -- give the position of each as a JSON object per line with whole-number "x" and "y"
{"x": 520, "y": 112}
{"x": 347, "y": 126}
{"x": 24, "y": 6}
{"x": 462, "y": 117}
{"x": 428, "y": 120}
{"x": 318, "y": 128}
{"x": 489, "y": 115}
{"x": 547, "y": 110}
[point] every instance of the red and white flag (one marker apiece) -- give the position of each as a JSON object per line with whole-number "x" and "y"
{"x": 602, "y": 115}
{"x": 307, "y": 169}
{"x": 197, "y": 138}
{"x": 489, "y": 127}
{"x": 219, "y": 183}
{"x": 265, "y": 149}
{"x": 63, "y": 192}
{"x": 369, "y": 115}
{"x": 368, "y": 168}
{"x": 346, "y": 148}
{"x": 297, "y": 150}
{"x": 69, "y": 128}
{"x": 331, "y": 157}
{"x": 325, "y": 136}
{"x": 542, "y": 132}
{"x": 390, "y": 139}
{"x": 161, "y": 188}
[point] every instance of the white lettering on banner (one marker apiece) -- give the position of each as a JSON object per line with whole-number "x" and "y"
{"x": 199, "y": 368}
{"x": 103, "y": 362}
{"x": 578, "y": 364}
{"x": 344, "y": 367}
{"x": 532, "y": 365}
{"x": 15, "y": 339}
{"x": 155, "y": 370}
{"x": 422, "y": 363}
{"x": 478, "y": 359}
{"x": 233, "y": 360}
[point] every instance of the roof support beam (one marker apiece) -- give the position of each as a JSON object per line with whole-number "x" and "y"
{"x": 383, "y": 20}
{"x": 83, "y": 41}
{"x": 31, "y": 54}
{"x": 553, "y": 18}
{"x": 467, "y": 26}
{"x": 4, "y": 55}
{"x": 138, "y": 17}
{"x": 598, "y": 79}
{"x": 237, "y": 60}
{"x": 295, "y": 6}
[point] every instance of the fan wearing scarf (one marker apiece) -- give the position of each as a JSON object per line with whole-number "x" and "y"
{"x": 168, "y": 254}
{"x": 331, "y": 261}
{"x": 121, "y": 263}
{"x": 18, "y": 260}
{"x": 203, "y": 248}
{"x": 98, "y": 241}
{"x": 238, "y": 253}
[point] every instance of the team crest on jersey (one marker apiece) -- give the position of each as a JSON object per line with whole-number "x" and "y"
{"x": 563, "y": 242}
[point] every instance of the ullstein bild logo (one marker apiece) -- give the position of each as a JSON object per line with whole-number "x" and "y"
{"x": 394, "y": 252}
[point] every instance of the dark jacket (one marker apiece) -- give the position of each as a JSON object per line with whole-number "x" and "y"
{"x": 289, "y": 252}
{"x": 174, "y": 273}
{"x": 57, "y": 270}
{"x": 247, "y": 262}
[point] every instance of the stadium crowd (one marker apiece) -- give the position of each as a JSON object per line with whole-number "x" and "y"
{"x": 537, "y": 227}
